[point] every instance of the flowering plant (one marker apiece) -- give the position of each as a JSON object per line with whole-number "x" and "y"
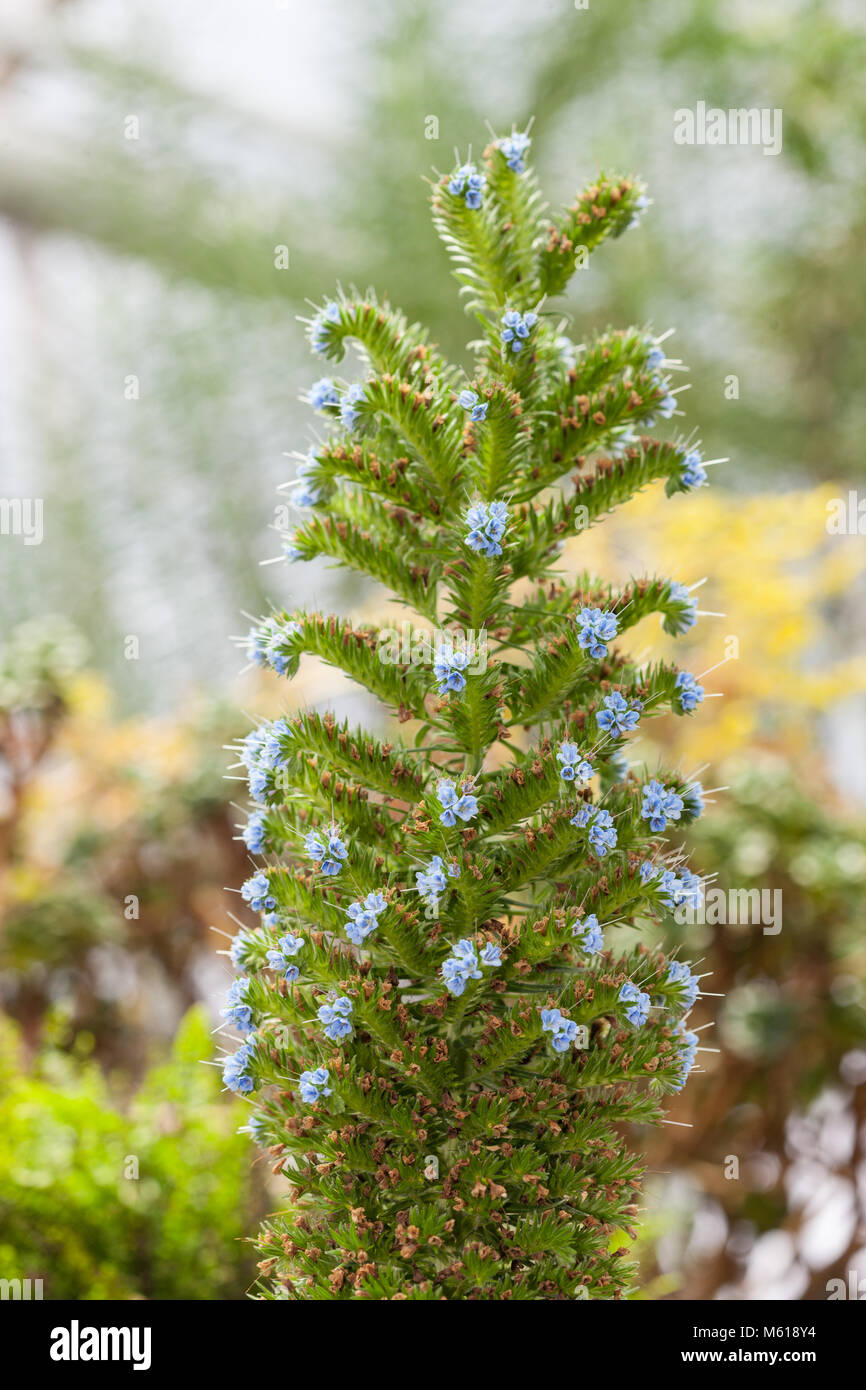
{"x": 448, "y": 1013}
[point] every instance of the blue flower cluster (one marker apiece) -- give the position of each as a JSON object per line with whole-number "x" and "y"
{"x": 659, "y": 806}
{"x": 655, "y": 357}
{"x": 238, "y": 949}
{"x": 264, "y": 645}
{"x": 693, "y": 800}
{"x": 324, "y": 393}
{"x": 691, "y": 694}
{"x": 253, "y": 834}
{"x": 687, "y": 1054}
{"x": 464, "y": 806}
{"x": 335, "y": 1017}
{"x": 313, "y": 1084}
{"x": 319, "y": 334}
{"x": 257, "y": 892}
{"x": 516, "y": 328}
{"x": 468, "y": 400}
{"x": 679, "y": 973}
{"x": 619, "y": 716}
{"x": 694, "y": 474}
{"x": 260, "y": 754}
{"x": 676, "y": 891}
{"x": 463, "y": 963}
{"x": 564, "y": 1030}
{"x": 638, "y": 1002}
{"x": 680, "y": 594}
{"x": 602, "y": 832}
{"x": 575, "y": 768}
{"x": 288, "y": 945}
{"x": 364, "y": 917}
{"x": 304, "y": 492}
{"x": 595, "y": 628}
{"x": 326, "y": 849}
{"x": 432, "y": 880}
{"x": 351, "y": 398}
{"x": 487, "y": 525}
{"x": 589, "y": 934}
{"x": 448, "y": 668}
{"x": 235, "y": 1074}
{"x": 237, "y": 1010}
{"x": 514, "y": 148}
{"x": 468, "y": 183}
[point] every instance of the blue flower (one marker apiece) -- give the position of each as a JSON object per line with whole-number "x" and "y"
{"x": 694, "y": 474}
{"x": 326, "y": 849}
{"x": 465, "y": 806}
{"x": 689, "y": 616}
{"x": 238, "y": 949}
{"x": 639, "y": 1003}
{"x": 463, "y": 964}
{"x": 693, "y": 800}
{"x": 323, "y": 393}
{"x": 618, "y": 716}
{"x": 304, "y": 492}
{"x": 691, "y": 694}
{"x": 335, "y": 1017}
{"x": 602, "y": 834}
{"x": 641, "y": 203}
{"x": 460, "y": 966}
{"x": 687, "y": 1053}
{"x": 655, "y": 356}
{"x": 487, "y": 525}
{"x": 448, "y": 668}
{"x": 289, "y": 945}
{"x": 314, "y": 1084}
{"x": 514, "y": 148}
{"x": 648, "y": 870}
{"x": 253, "y": 834}
{"x": 675, "y": 892}
{"x": 432, "y": 880}
{"x": 235, "y": 1074}
{"x": 595, "y": 629}
{"x": 516, "y": 328}
{"x": 679, "y": 973}
{"x": 364, "y": 917}
{"x": 589, "y": 933}
{"x": 668, "y": 403}
{"x": 574, "y": 768}
{"x": 319, "y": 333}
{"x": 256, "y": 892}
{"x": 468, "y": 400}
{"x": 468, "y": 182}
{"x": 237, "y": 1010}
{"x": 564, "y": 1030}
{"x": 659, "y": 806}
{"x": 348, "y": 414}
{"x": 583, "y": 815}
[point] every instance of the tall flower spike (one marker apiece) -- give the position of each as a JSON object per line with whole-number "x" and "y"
{"x": 429, "y": 977}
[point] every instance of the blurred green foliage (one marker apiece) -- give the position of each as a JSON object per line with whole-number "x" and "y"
{"x": 70, "y": 1215}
